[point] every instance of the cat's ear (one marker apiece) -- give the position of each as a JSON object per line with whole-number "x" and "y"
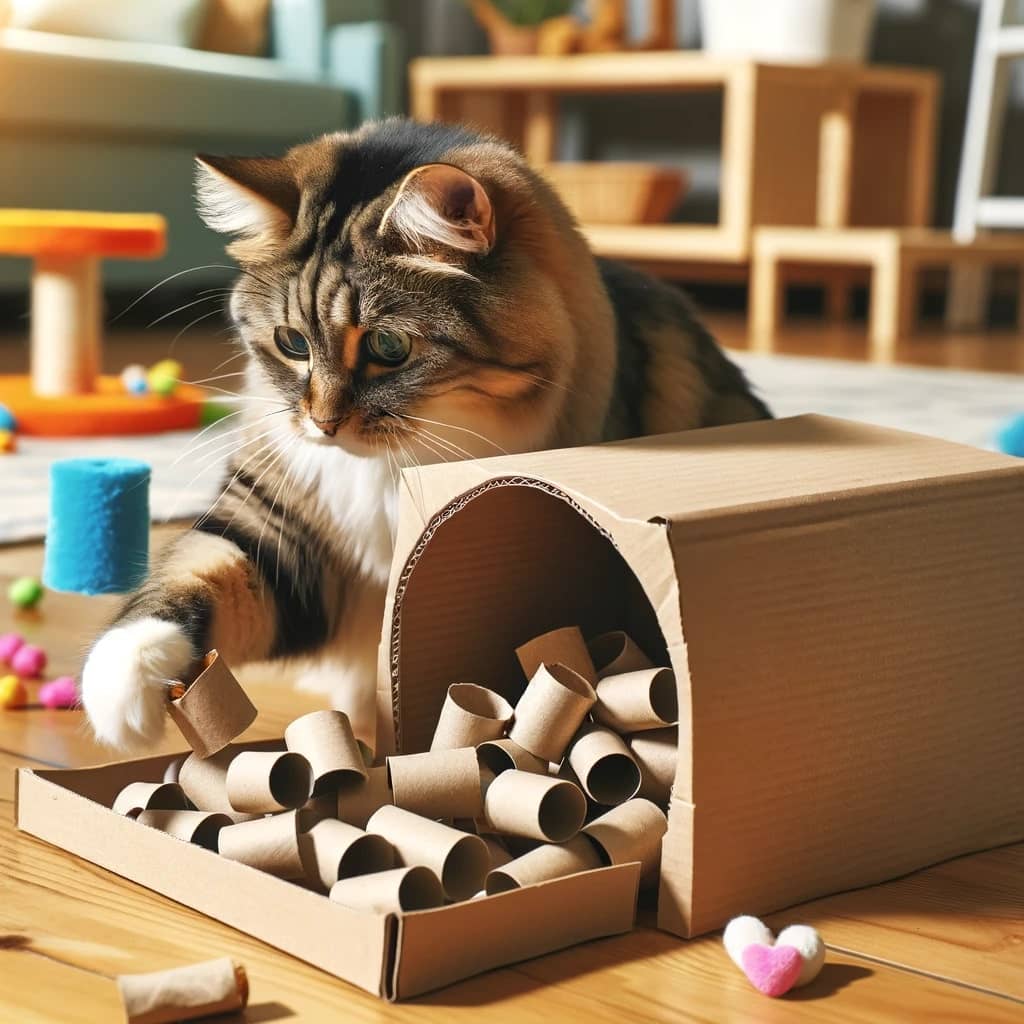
{"x": 255, "y": 198}
{"x": 438, "y": 205}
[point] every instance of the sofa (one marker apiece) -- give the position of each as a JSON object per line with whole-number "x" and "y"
{"x": 105, "y": 124}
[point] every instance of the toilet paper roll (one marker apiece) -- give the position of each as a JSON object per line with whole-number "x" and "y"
{"x": 459, "y": 860}
{"x": 637, "y": 701}
{"x": 560, "y": 646}
{"x": 143, "y": 796}
{"x": 214, "y": 708}
{"x": 551, "y": 709}
{"x": 270, "y": 844}
{"x": 390, "y": 892}
{"x": 358, "y": 800}
{"x": 534, "y": 806}
{"x": 499, "y": 756}
{"x": 325, "y": 739}
{"x": 173, "y": 769}
{"x": 602, "y": 762}
{"x": 437, "y": 784}
{"x": 336, "y": 850}
{"x": 657, "y": 754}
{"x": 630, "y": 832}
{"x": 544, "y": 863}
{"x": 205, "y": 780}
{"x": 471, "y": 715}
{"x": 184, "y": 993}
{"x": 199, "y": 827}
{"x": 615, "y": 652}
{"x": 265, "y": 782}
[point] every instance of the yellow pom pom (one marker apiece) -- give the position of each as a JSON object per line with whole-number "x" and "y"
{"x": 165, "y": 368}
{"x": 8, "y": 442}
{"x": 12, "y": 692}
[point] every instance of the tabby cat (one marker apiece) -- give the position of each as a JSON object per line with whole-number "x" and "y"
{"x": 408, "y": 294}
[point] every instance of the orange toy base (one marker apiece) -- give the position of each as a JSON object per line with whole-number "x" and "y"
{"x": 107, "y": 410}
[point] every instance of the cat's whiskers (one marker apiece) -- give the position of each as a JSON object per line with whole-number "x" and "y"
{"x": 181, "y": 309}
{"x": 190, "y": 325}
{"x": 192, "y": 448}
{"x": 270, "y": 512}
{"x": 233, "y": 432}
{"x": 220, "y": 376}
{"x": 452, "y": 426}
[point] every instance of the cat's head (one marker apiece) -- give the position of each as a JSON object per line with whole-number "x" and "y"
{"x": 401, "y": 284}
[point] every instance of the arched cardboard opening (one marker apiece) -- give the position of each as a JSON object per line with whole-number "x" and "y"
{"x": 499, "y": 566}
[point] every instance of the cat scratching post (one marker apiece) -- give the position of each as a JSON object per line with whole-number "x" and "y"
{"x": 64, "y": 393}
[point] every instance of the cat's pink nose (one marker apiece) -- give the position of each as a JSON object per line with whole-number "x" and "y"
{"x": 329, "y": 427}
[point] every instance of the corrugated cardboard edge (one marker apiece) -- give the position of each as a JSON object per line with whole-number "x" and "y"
{"x": 483, "y": 934}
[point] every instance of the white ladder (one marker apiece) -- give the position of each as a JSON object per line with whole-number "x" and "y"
{"x": 997, "y": 43}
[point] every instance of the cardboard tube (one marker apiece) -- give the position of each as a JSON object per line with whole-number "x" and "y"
{"x": 269, "y": 844}
{"x": 606, "y": 769}
{"x": 615, "y": 652}
{"x": 199, "y": 827}
{"x": 214, "y": 709}
{"x": 268, "y": 781}
{"x": 632, "y": 831}
{"x": 143, "y": 796}
{"x": 358, "y": 800}
{"x": 550, "y": 711}
{"x": 437, "y": 784}
{"x": 459, "y": 860}
{"x": 325, "y": 739}
{"x": 337, "y": 850}
{"x": 544, "y": 863}
{"x": 471, "y": 715}
{"x": 173, "y": 769}
{"x": 390, "y": 892}
{"x": 637, "y": 701}
{"x": 657, "y": 754}
{"x": 184, "y": 993}
{"x": 534, "y": 806}
{"x": 559, "y": 647}
{"x": 205, "y": 780}
{"x": 502, "y": 755}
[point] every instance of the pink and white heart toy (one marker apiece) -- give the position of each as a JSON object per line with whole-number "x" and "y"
{"x": 774, "y": 965}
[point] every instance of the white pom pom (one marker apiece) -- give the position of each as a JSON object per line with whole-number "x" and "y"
{"x": 804, "y": 938}
{"x": 741, "y": 932}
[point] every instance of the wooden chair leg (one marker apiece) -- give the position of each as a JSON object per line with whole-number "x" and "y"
{"x": 767, "y": 293}
{"x": 967, "y": 297}
{"x": 892, "y": 287}
{"x": 837, "y": 296}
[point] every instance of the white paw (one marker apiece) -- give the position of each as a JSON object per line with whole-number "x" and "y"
{"x": 124, "y": 681}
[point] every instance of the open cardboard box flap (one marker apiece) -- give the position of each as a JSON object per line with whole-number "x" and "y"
{"x": 840, "y": 604}
{"x": 387, "y": 955}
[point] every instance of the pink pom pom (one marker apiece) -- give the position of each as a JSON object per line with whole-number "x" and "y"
{"x": 10, "y": 644}
{"x": 29, "y": 661}
{"x": 60, "y": 693}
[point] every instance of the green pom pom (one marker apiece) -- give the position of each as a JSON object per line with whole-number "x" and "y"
{"x": 162, "y": 383}
{"x": 211, "y": 412}
{"x": 25, "y": 592}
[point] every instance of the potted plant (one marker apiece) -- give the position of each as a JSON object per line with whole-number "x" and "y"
{"x": 514, "y": 26}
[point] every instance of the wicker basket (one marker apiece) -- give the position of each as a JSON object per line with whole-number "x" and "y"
{"x": 618, "y": 193}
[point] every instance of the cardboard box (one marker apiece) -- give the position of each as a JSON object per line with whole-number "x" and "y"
{"x": 841, "y": 605}
{"x": 388, "y": 955}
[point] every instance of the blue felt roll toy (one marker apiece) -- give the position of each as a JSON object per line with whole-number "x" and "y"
{"x": 97, "y": 541}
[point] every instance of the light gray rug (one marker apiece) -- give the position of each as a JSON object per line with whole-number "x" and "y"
{"x": 957, "y": 405}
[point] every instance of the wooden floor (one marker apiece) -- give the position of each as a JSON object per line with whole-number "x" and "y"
{"x": 944, "y": 945}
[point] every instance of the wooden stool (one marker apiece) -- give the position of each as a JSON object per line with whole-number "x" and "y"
{"x": 894, "y": 257}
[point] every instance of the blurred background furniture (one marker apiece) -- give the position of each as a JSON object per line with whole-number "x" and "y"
{"x": 113, "y": 124}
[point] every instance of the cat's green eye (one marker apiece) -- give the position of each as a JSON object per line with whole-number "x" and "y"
{"x": 291, "y": 343}
{"x": 391, "y": 348}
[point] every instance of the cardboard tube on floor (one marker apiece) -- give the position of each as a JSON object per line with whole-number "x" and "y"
{"x": 544, "y": 863}
{"x": 471, "y": 715}
{"x": 396, "y": 891}
{"x": 214, "y": 709}
{"x": 602, "y": 762}
{"x": 270, "y": 844}
{"x": 637, "y": 701}
{"x": 184, "y": 993}
{"x": 551, "y": 709}
{"x": 205, "y": 780}
{"x": 143, "y": 796}
{"x": 632, "y": 831}
{"x": 657, "y": 754}
{"x": 199, "y": 827}
{"x": 534, "y": 806}
{"x": 562, "y": 647}
{"x": 358, "y": 800}
{"x": 265, "y": 782}
{"x": 325, "y": 739}
{"x": 615, "y": 652}
{"x": 437, "y": 784}
{"x": 503, "y": 755}
{"x": 337, "y": 850}
{"x": 459, "y": 860}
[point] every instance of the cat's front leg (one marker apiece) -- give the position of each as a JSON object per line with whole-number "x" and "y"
{"x": 203, "y": 593}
